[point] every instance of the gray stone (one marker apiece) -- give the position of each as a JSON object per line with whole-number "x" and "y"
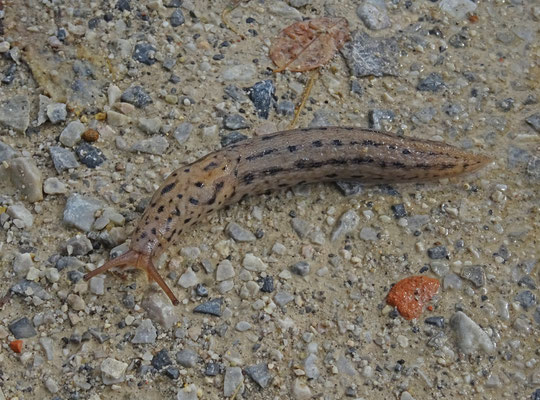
{"x": 285, "y": 108}
{"x": 160, "y": 310}
{"x": 431, "y": 83}
{"x": 310, "y": 367}
{"x": 475, "y": 274}
{"x": 150, "y": 125}
{"x": 283, "y": 298}
{"x": 169, "y": 63}
{"x": 188, "y": 392}
{"x": 536, "y": 315}
{"x": 377, "y": 118}
{"x": 517, "y": 156}
{"x": 80, "y": 211}
{"x": 437, "y": 252}
{"x": 299, "y": 3}
{"x": 187, "y": 358}
{"x": 233, "y": 381}
{"x": 301, "y": 227}
{"x": 322, "y": 118}
{"x": 56, "y": 112}
{"x": 212, "y": 307}
{"x": 18, "y": 211}
{"x": 63, "y": 158}
{"x": 89, "y": 155}
{"x": 177, "y": 18}
{"x": 231, "y": 138}
{"x": 78, "y": 245}
{"x": 374, "y": 14}
{"x": 424, "y": 115}
{"x": 137, "y": 96}
{"x": 243, "y": 326}
{"x": 6, "y": 152}
{"x": 15, "y": 113}
{"x": 48, "y": 348}
{"x": 71, "y": 135}
{"x": 507, "y": 104}
{"x": 51, "y": 385}
{"x": 22, "y": 263}
{"x": 26, "y": 288}
{"x": 534, "y": 121}
{"x": 239, "y": 73}
{"x": 27, "y": 178}
{"x": 188, "y": 279}
{"x": 260, "y": 374}
{"x": 366, "y": 55}
{"x": 526, "y": 299}
{"x": 235, "y": 121}
{"x": 113, "y": 371}
{"x": 368, "y": 233}
{"x": 154, "y": 145}
{"x": 22, "y": 328}
{"x": 348, "y": 188}
{"x": 253, "y": 263}
{"x": 533, "y": 168}
{"x": 452, "y": 281}
{"x": 97, "y": 285}
{"x": 224, "y": 271}
{"x": 117, "y": 119}
{"x": 457, "y": 8}
{"x": 345, "y": 225}
{"x": 54, "y": 186}
{"x": 235, "y": 93}
{"x": 182, "y": 132}
{"x": 145, "y": 333}
{"x": 144, "y": 53}
{"x": 301, "y": 268}
{"x": 470, "y": 336}
{"x": 44, "y": 101}
{"x": 239, "y": 233}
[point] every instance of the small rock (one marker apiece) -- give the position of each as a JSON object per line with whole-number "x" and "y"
{"x": 150, "y": 125}
{"x": 52, "y": 275}
{"x": 6, "y": 152}
{"x": 78, "y": 246}
{"x": 112, "y": 371}
{"x": 117, "y": 119}
{"x": 233, "y": 381}
{"x": 378, "y": 117}
{"x": 301, "y": 268}
{"x": 470, "y": 336}
{"x": 300, "y": 390}
{"x": 452, "y": 281}
{"x": 76, "y": 302}
{"x": 457, "y": 8}
{"x": 188, "y": 279}
{"x": 22, "y": 263}
{"x": 475, "y": 274}
{"x": 239, "y": 233}
{"x": 160, "y": 310}
{"x": 348, "y": 188}
{"x": 345, "y": 225}
{"x": 22, "y": 328}
{"x": 71, "y": 135}
{"x": 18, "y": 211}
{"x": 144, "y": 53}
{"x": 137, "y": 96}
{"x": 212, "y": 307}
{"x": 90, "y": 156}
{"x": 51, "y": 385}
{"x": 145, "y": 333}
{"x": 533, "y": 168}
{"x": 27, "y": 178}
{"x": 374, "y": 14}
{"x": 262, "y": 95}
{"x": 283, "y": 298}
{"x": 15, "y": 113}
{"x": 201, "y": 290}
{"x": 172, "y": 372}
{"x": 235, "y": 121}
{"x": 80, "y": 211}
{"x": 424, "y": 115}
{"x": 187, "y": 358}
{"x": 63, "y": 159}
{"x": 177, "y": 18}
{"x": 367, "y": 233}
{"x": 435, "y": 321}
{"x": 9, "y": 74}
{"x": 526, "y": 299}
{"x": 301, "y": 227}
{"x": 507, "y": 104}
{"x": 188, "y": 392}
{"x": 154, "y": 145}
{"x": 432, "y": 83}
{"x": 260, "y": 374}
{"x": 239, "y": 73}
{"x": 182, "y": 132}
{"x": 113, "y": 94}
{"x": 253, "y": 263}
{"x": 56, "y": 112}
{"x": 161, "y": 359}
{"x": 25, "y": 287}
{"x": 231, "y": 138}
{"x": 268, "y": 284}
{"x": 366, "y": 55}
{"x": 437, "y": 252}
{"x": 212, "y": 369}
{"x": 534, "y": 121}
{"x": 54, "y": 186}
{"x": 97, "y": 285}
{"x": 235, "y": 93}
{"x": 224, "y": 271}
{"x": 285, "y": 108}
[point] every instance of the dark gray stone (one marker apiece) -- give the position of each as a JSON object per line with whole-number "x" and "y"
{"x": 435, "y": 321}
{"x": 301, "y": 268}
{"x": 399, "y": 210}
{"x": 212, "y": 307}
{"x": 231, "y": 138}
{"x": 262, "y": 94}
{"x": 144, "y": 53}
{"x": 187, "y": 358}
{"x": 432, "y": 83}
{"x": 90, "y": 156}
{"x": 260, "y": 374}
{"x": 62, "y": 158}
{"x": 348, "y": 188}
{"x": 22, "y": 328}
{"x": 437, "y": 252}
{"x": 137, "y": 96}
{"x": 285, "y": 108}
{"x": 526, "y": 299}
{"x": 161, "y": 359}
{"x": 474, "y": 274}
{"x": 177, "y": 18}
{"x": 21, "y": 288}
{"x": 267, "y": 284}
{"x": 534, "y": 121}
{"x": 377, "y": 116}
{"x": 235, "y": 93}
{"x": 235, "y": 121}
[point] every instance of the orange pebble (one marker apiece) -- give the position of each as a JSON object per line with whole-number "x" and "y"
{"x": 473, "y": 18}
{"x": 16, "y": 346}
{"x": 90, "y": 135}
{"x": 410, "y": 294}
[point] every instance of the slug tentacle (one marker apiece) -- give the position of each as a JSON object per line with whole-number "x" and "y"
{"x": 281, "y": 160}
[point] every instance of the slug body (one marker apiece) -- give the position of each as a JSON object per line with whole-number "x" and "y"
{"x": 281, "y": 160}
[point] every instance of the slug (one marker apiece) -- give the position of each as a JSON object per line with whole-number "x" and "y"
{"x": 280, "y": 160}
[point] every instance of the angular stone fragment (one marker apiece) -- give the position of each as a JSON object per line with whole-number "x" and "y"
{"x": 27, "y": 178}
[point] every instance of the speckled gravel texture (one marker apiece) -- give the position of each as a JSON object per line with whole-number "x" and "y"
{"x": 283, "y": 296}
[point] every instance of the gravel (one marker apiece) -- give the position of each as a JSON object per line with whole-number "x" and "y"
{"x": 470, "y": 336}
{"x": 212, "y": 307}
{"x": 22, "y": 328}
{"x": 63, "y": 159}
{"x": 15, "y": 113}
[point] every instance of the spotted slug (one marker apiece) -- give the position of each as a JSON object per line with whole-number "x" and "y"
{"x": 280, "y": 160}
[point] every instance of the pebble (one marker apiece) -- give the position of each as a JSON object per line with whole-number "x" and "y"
{"x": 154, "y": 145}
{"x": 137, "y": 96}
{"x": 212, "y": 369}
{"x": 267, "y": 284}
{"x": 71, "y": 135}
{"x": 262, "y": 94}
{"x": 52, "y": 275}
{"x": 9, "y": 74}
{"x": 457, "y": 8}
{"x": 235, "y": 121}
{"x": 51, "y": 385}
{"x": 160, "y": 310}
{"x": 310, "y": 367}
{"x": 89, "y": 155}
{"x": 233, "y": 381}
{"x": 367, "y": 233}
{"x": 378, "y": 117}
{"x": 6, "y": 152}
{"x": 235, "y": 93}
{"x": 260, "y": 374}
{"x": 112, "y": 371}
{"x": 62, "y": 158}
{"x": 253, "y": 263}
{"x": 533, "y": 168}
{"x": 475, "y": 274}
{"x": 145, "y": 333}
{"x": 80, "y": 211}
{"x": 224, "y": 271}
{"x": 182, "y": 132}
{"x": 150, "y": 125}
{"x": 15, "y": 113}
{"x": 27, "y": 178}
{"x": 212, "y": 307}
{"x": 243, "y": 326}
{"x": 424, "y": 115}
{"x": 437, "y": 252}
{"x": 301, "y": 227}
{"x": 526, "y": 299}
{"x": 534, "y": 121}
{"x": 239, "y": 233}
{"x": 188, "y": 392}
{"x": 300, "y": 390}
{"x": 22, "y": 328}
{"x": 22, "y": 263}
{"x": 117, "y": 119}
{"x": 187, "y": 358}
{"x": 431, "y": 83}
{"x": 301, "y": 268}
{"x": 54, "y": 186}
{"x": 285, "y": 108}
{"x": 25, "y": 286}
{"x": 348, "y": 188}
{"x": 56, "y": 112}
{"x": 144, "y": 53}
{"x": 239, "y": 73}
{"x": 79, "y": 245}
{"x": 177, "y": 18}
{"x": 452, "y": 281}
{"x": 470, "y": 336}
{"x": 97, "y": 285}
{"x": 201, "y": 290}
{"x": 374, "y": 14}
{"x": 435, "y": 321}
{"x": 283, "y": 298}
{"x": 20, "y": 212}
{"x": 188, "y": 279}
{"x": 346, "y": 224}
{"x": 161, "y": 359}
{"x": 76, "y": 302}
{"x": 366, "y": 55}
{"x": 231, "y": 138}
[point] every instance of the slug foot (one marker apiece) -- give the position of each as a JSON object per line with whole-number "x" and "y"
{"x": 141, "y": 261}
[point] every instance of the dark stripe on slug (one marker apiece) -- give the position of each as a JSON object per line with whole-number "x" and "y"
{"x": 179, "y": 195}
{"x": 176, "y": 211}
{"x": 447, "y": 166}
{"x": 261, "y": 154}
{"x": 160, "y": 209}
{"x": 331, "y": 176}
{"x": 303, "y": 164}
{"x": 337, "y": 142}
{"x": 398, "y": 164}
{"x": 292, "y": 149}
{"x": 187, "y": 220}
{"x": 211, "y": 166}
{"x": 168, "y": 188}
{"x": 272, "y": 170}
{"x": 406, "y": 151}
{"x": 193, "y": 201}
{"x": 199, "y": 184}
{"x": 248, "y": 178}
{"x": 371, "y": 143}
{"x": 154, "y": 231}
{"x": 316, "y": 143}
{"x": 217, "y": 189}
{"x": 362, "y": 160}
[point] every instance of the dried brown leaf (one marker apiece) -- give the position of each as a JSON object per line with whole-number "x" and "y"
{"x": 309, "y": 44}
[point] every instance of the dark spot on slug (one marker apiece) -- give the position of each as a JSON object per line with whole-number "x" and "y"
{"x": 187, "y": 170}
{"x": 382, "y": 164}
{"x": 199, "y": 184}
{"x": 371, "y": 143}
{"x": 398, "y": 164}
{"x": 272, "y": 170}
{"x": 248, "y": 178}
{"x": 422, "y": 166}
{"x": 154, "y": 231}
{"x": 153, "y": 205}
{"x": 175, "y": 174}
{"x": 261, "y": 154}
{"x": 179, "y": 195}
{"x": 316, "y": 143}
{"x": 176, "y": 211}
{"x": 211, "y": 166}
{"x": 406, "y": 151}
{"x": 160, "y": 209}
{"x": 187, "y": 220}
{"x": 337, "y": 142}
{"x": 193, "y": 201}
{"x": 292, "y": 149}
{"x": 143, "y": 235}
{"x": 267, "y": 137}
{"x": 331, "y": 175}
{"x": 391, "y": 147}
